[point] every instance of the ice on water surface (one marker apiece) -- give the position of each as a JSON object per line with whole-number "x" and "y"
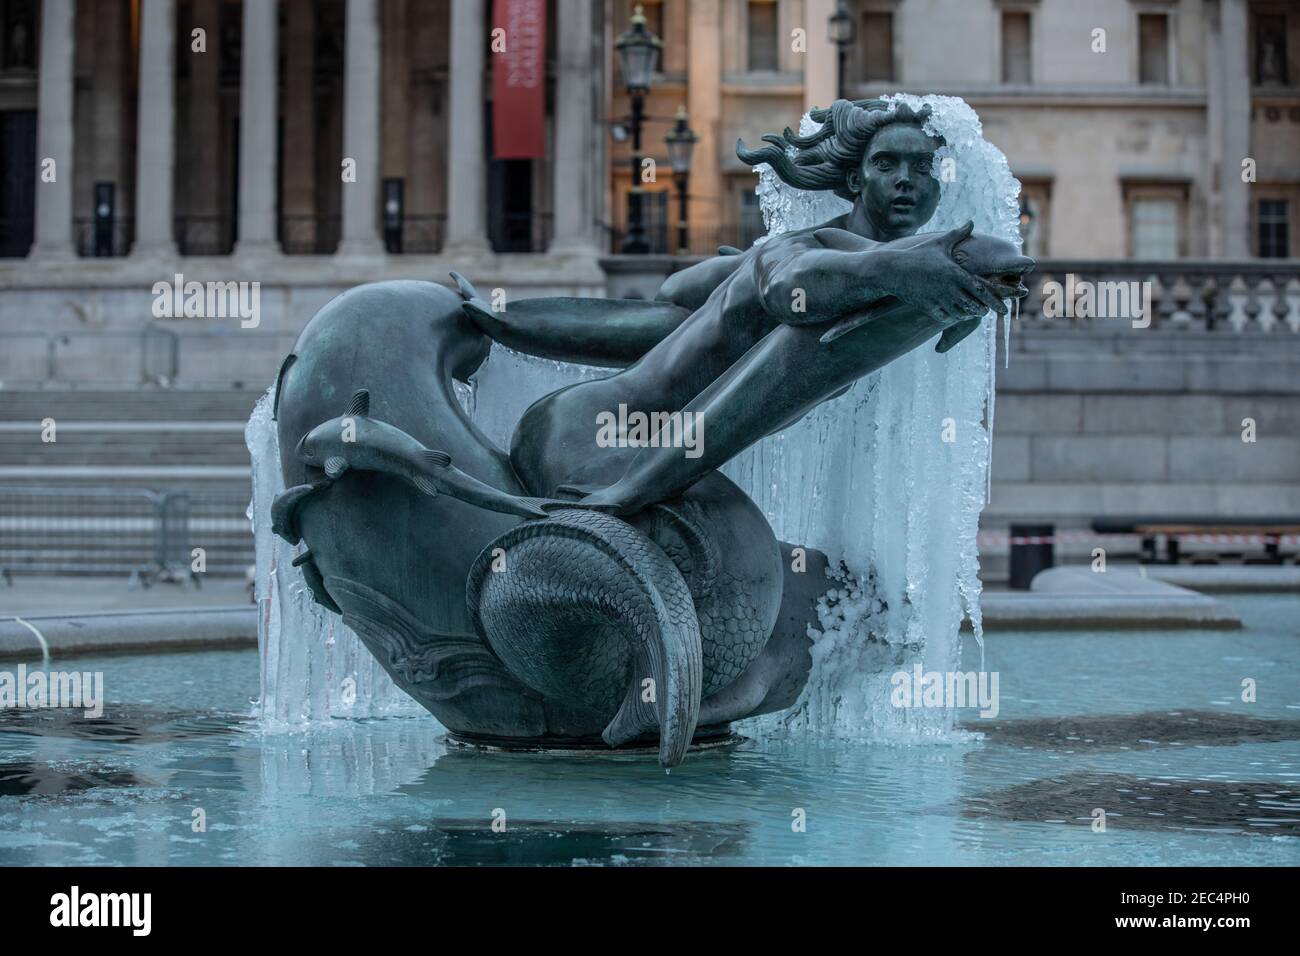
{"x": 866, "y": 478}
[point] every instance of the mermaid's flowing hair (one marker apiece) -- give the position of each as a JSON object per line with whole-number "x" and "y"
{"x": 821, "y": 160}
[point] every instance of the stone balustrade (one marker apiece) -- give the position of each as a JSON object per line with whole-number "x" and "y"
{"x": 1189, "y": 294}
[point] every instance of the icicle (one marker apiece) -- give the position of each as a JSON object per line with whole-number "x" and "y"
{"x": 911, "y": 555}
{"x": 862, "y": 478}
{"x": 1006, "y": 335}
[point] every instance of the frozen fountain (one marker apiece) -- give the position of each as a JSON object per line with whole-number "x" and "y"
{"x": 887, "y": 479}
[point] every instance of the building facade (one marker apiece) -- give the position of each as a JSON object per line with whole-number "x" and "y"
{"x": 1154, "y": 129}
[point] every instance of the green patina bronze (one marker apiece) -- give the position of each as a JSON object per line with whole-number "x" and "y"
{"x": 573, "y": 590}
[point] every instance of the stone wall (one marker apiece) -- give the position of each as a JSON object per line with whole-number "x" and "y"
{"x": 1092, "y": 423}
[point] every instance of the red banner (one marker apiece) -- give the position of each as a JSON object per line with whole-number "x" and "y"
{"x": 518, "y": 79}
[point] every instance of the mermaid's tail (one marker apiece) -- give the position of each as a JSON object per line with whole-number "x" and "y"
{"x": 584, "y": 608}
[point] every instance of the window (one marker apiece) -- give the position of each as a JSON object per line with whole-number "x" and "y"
{"x": 1015, "y": 47}
{"x": 1154, "y": 227}
{"x": 763, "y": 45}
{"x": 654, "y": 17}
{"x": 1270, "y": 51}
{"x": 751, "y": 217}
{"x": 877, "y": 46}
{"x": 1274, "y": 229}
{"x": 18, "y": 34}
{"x": 1153, "y": 48}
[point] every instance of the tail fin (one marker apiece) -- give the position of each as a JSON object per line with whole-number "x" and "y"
{"x": 562, "y": 572}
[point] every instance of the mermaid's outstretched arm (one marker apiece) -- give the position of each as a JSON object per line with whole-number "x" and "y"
{"x": 794, "y": 367}
{"x": 691, "y": 287}
{"x": 610, "y": 333}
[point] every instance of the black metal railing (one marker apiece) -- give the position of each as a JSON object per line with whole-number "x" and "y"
{"x": 204, "y": 235}
{"x": 521, "y": 231}
{"x": 95, "y": 237}
{"x": 416, "y": 235}
{"x": 309, "y": 235}
{"x": 131, "y": 531}
{"x": 664, "y": 238}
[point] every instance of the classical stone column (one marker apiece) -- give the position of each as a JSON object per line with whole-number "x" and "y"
{"x": 361, "y": 105}
{"x": 258, "y": 103}
{"x": 156, "y": 130}
{"x": 571, "y": 165}
{"x": 466, "y": 174}
{"x": 54, "y": 132}
{"x": 1234, "y": 79}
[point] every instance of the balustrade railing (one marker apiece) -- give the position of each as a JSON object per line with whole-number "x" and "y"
{"x": 1205, "y": 295}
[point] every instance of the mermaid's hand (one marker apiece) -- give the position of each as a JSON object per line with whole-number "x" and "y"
{"x": 928, "y": 278}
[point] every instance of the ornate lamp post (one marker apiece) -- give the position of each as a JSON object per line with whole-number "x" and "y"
{"x": 638, "y": 54}
{"x": 681, "y": 144}
{"x": 842, "y": 33}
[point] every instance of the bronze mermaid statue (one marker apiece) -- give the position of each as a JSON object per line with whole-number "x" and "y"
{"x": 572, "y": 591}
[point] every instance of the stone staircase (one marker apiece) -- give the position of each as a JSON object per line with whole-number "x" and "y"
{"x": 134, "y": 479}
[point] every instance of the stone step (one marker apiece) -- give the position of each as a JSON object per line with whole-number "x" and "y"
{"x": 127, "y": 404}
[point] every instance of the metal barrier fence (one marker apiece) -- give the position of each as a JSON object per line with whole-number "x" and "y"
{"x": 145, "y": 534}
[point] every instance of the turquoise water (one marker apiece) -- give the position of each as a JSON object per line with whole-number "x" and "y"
{"x": 1149, "y": 728}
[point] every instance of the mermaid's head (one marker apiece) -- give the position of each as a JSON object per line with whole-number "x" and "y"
{"x": 871, "y": 152}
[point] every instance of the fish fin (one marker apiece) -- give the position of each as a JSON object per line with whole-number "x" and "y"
{"x": 541, "y": 507}
{"x": 335, "y": 465}
{"x": 425, "y": 485}
{"x": 284, "y": 512}
{"x": 729, "y": 251}
{"x": 315, "y": 582}
{"x": 279, "y": 384}
{"x": 360, "y": 403}
{"x": 846, "y": 325}
{"x": 467, "y": 291}
{"x": 433, "y": 457}
{"x": 954, "y": 334}
{"x": 842, "y": 240}
{"x": 574, "y": 495}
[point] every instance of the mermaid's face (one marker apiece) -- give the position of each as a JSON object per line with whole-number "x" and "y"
{"x": 895, "y": 184}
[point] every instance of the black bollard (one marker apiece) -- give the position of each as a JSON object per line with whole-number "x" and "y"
{"x": 1028, "y": 559}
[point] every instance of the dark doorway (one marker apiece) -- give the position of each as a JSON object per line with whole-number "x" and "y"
{"x": 512, "y": 226}
{"x": 17, "y": 181}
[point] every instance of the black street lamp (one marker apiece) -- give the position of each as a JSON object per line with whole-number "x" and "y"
{"x": 681, "y": 144}
{"x": 842, "y": 32}
{"x": 638, "y": 53}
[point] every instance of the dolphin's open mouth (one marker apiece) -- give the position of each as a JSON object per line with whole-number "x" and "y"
{"x": 1009, "y": 282}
